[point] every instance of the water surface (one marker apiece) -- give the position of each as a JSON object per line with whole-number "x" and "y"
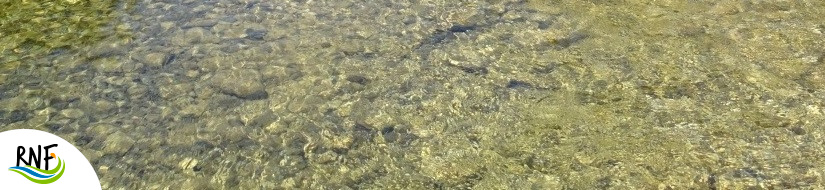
{"x": 496, "y": 94}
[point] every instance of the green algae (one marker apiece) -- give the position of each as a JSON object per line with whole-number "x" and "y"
{"x": 31, "y": 29}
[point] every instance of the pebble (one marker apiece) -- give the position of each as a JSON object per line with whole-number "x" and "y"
{"x": 103, "y": 106}
{"x": 275, "y": 127}
{"x": 107, "y": 65}
{"x": 326, "y": 157}
{"x": 816, "y": 79}
{"x": 255, "y": 34}
{"x": 171, "y": 91}
{"x": 118, "y": 143}
{"x": 105, "y": 50}
{"x": 131, "y": 66}
{"x": 273, "y": 74}
{"x": 14, "y": 116}
{"x": 153, "y": 60}
{"x": 242, "y": 83}
{"x": 262, "y": 120}
{"x": 103, "y": 169}
{"x": 72, "y": 113}
{"x": 35, "y": 103}
{"x": 188, "y": 163}
{"x": 100, "y": 129}
{"x": 188, "y": 37}
{"x": 200, "y": 23}
{"x": 137, "y": 91}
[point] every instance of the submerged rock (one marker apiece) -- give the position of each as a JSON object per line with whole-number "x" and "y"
{"x": 242, "y": 83}
{"x": 72, "y": 113}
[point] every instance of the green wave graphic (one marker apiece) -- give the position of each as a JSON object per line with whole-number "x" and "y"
{"x": 52, "y": 171}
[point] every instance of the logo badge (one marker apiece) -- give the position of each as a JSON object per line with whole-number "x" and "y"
{"x": 41, "y": 160}
{"x": 35, "y": 173}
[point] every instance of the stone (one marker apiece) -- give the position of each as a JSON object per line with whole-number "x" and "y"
{"x": 200, "y": 23}
{"x": 100, "y": 129}
{"x": 217, "y": 63}
{"x": 253, "y": 34}
{"x": 193, "y": 110}
{"x": 35, "y": 103}
{"x": 189, "y": 37}
{"x": 275, "y": 127}
{"x": 153, "y": 60}
{"x": 241, "y": 83}
{"x": 44, "y": 111}
{"x": 103, "y": 169}
{"x": 273, "y": 73}
{"x": 305, "y": 103}
{"x": 108, "y": 65}
{"x": 192, "y": 73}
{"x": 137, "y": 91}
{"x": 171, "y": 91}
{"x": 118, "y": 143}
{"x": 187, "y": 163}
{"x": 106, "y": 50}
{"x": 197, "y": 35}
{"x": 17, "y": 115}
{"x": 103, "y": 106}
{"x": 209, "y": 37}
{"x": 262, "y": 120}
{"x": 325, "y": 158}
{"x": 451, "y": 161}
{"x": 117, "y": 81}
{"x": 358, "y": 79}
{"x": 816, "y": 79}
{"x": 131, "y": 66}
{"x": 72, "y": 113}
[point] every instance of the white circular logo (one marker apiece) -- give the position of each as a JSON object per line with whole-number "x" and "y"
{"x": 40, "y": 160}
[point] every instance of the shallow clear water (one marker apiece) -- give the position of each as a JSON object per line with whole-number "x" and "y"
{"x": 495, "y": 94}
